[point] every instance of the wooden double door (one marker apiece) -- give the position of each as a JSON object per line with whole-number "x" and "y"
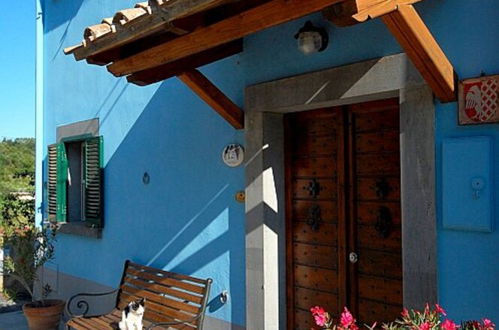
{"x": 343, "y": 212}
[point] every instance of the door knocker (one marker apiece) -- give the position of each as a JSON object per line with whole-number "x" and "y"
{"x": 314, "y": 188}
{"x": 384, "y": 222}
{"x": 314, "y": 217}
{"x": 382, "y": 188}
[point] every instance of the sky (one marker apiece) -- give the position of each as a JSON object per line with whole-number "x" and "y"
{"x": 17, "y": 69}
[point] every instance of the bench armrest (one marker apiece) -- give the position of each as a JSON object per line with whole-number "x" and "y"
{"x": 82, "y": 304}
{"x": 187, "y": 322}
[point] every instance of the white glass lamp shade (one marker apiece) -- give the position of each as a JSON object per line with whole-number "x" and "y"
{"x": 309, "y": 42}
{"x": 311, "y": 39}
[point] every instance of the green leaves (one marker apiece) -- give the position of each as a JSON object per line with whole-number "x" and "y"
{"x": 31, "y": 247}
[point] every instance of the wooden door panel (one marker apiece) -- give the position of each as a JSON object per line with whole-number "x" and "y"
{"x": 315, "y": 255}
{"x": 367, "y": 188}
{"x": 303, "y": 320}
{"x": 373, "y": 311}
{"x": 380, "y": 289}
{"x": 378, "y": 164}
{"x": 307, "y": 298}
{"x": 368, "y": 237}
{"x": 384, "y": 141}
{"x": 314, "y": 167}
{"x": 301, "y": 210}
{"x": 316, "y": 278}
{"x": 328, "y": 189}
{"x": 377, "y": 117}
{"x": 376, "y": 121}
{"x": 315, "y": 123}
{"x": 327, "y": 235}
{"x": 368, "y": 212}
{"x": 325, "y": 145}
{"x": 380, "y": 263}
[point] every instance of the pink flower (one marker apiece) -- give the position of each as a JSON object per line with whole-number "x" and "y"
{"x": 405, "y": 312}
{"x": 320, "y": 316}
{"x": 320, "y": 319}
{"x": 440, "y": 310}
{"x": 317, "y": 310}
{"x": 346, "y": 318}
{"x": 488, "y": 324}
{"x": 449, "y": 325}
{"x": 425, "y": 326}
{"x": 427, "y": 309}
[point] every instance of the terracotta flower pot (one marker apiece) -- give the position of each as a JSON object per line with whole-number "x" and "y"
{"x": 44, "y": 317}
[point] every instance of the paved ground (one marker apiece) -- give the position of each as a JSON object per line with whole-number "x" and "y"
{"x": 13, "y": 321}
{"x": 16, "y": 321}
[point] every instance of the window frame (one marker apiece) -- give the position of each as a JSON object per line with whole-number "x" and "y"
{"x": 85, "y": 226}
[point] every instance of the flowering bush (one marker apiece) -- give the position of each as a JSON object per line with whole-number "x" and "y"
{"x": 31, "y": 247}
{"x": 486, "y": 324}
{"x": 429, "y": 319}
{"x": 324, "y": 320}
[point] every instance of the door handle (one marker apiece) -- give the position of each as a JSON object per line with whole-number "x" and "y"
{"x": 353, "y": 257}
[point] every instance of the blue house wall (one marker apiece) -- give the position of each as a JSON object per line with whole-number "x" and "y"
{"x": 186, "y": 219}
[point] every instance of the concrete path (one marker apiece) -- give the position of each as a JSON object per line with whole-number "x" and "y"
{"x": 13, "y": 321}
{"x": 16, "y": 321}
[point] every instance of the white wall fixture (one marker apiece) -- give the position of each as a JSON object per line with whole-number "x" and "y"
{"x": 311, "y": 39}
{"x": 233, "y": 155}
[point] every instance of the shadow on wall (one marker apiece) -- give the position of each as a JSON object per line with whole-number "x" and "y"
{"x": 54, "y": 19}
{"x": 185, "y": 219}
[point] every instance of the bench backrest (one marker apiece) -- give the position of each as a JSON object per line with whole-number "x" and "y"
{"x": 169, "y": 296}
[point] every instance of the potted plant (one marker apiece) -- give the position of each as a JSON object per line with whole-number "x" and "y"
{"x": 30, "y": 248}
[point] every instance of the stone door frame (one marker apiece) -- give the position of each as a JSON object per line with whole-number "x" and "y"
{"x": 265, "y": 106}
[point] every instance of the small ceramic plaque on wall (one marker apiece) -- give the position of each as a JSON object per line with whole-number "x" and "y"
{"x": 479, "y": 100}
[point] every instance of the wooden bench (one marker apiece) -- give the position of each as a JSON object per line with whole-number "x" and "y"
{"x": 173, "y": 301}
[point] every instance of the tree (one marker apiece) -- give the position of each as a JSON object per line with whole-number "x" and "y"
{"x": 17, "y": 168}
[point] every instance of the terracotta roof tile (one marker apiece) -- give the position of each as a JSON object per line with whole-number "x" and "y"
{"x": 96, "y": 31}
{"x": 144, "y": 17}
{"x": 125, "y": 16}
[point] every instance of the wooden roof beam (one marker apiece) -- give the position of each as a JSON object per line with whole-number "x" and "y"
{"x": 264, "y": 16}
{"x": 215, "y": 98}
{"x": 162, "y": 14}
{"x": 165, "y": 71}
{"x": 352, "y": 12}
{"x": 422, "y": 48}
{"x": 406, "y": 25}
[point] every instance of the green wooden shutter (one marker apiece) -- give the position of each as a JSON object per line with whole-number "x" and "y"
{"x": 57, "y": 182}
{"x": 93, "y": 168}
{"x": 62, "y": 182}
{"x": 52, "y": 182}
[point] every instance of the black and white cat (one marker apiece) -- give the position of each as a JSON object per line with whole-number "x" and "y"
{"x": 132, "y": 314}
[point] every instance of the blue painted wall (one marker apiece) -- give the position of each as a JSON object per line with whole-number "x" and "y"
{"x": 186, "y": 219}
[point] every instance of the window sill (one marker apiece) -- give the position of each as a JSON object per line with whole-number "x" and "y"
{"x": 80, "y": 229}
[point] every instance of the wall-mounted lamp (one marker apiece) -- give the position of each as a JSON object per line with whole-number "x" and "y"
{"x": 311, "y": 39}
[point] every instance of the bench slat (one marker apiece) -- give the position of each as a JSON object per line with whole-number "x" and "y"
{"x": 170, "y": 281}
{"x": 96, "y": 325}
{"x": 79, "y": 324}
{"x": 159, "y": 289}
{"x": 150, "y": 306}
{"x": 167, "y": 274}
{"x": 163, "y": 300}
{"x": 154, "y": 317}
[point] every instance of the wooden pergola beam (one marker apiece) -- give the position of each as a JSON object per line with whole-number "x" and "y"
{"x": 165, "y": 71}
{"x": 422, "y": 48}
{"x": 215, "y": 98}
{"x": 143, "y": 26}
{"x": 352, "y": 12}
{"x": 269, "y": 14}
